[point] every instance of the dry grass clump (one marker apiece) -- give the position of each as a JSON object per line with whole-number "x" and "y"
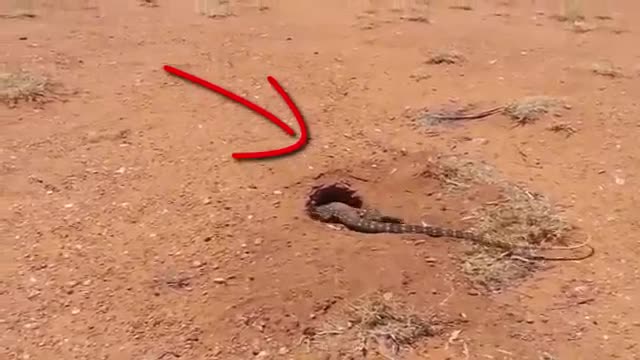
{"x": 530, "y": 109}
{"x": 464, "y": 7}
{"x": 523, "y": 219}
{"x": 607, "y": 69}
{"x": 149, "y": 3}
{"x": 376, "y": 320}
{"x": 19, "y": 14}
{"x": 562, "y": 127}
{"x": 573, "y": 10}
{"x": 457, "y": 173}
{"x": 378, "y": 317}
{"x": 22, "y": 86}
{"x": 520, "y": 221}
{"x": 448, "y": 57}
{"x": 214, "y": 8}
{"x": 491, "y": 272}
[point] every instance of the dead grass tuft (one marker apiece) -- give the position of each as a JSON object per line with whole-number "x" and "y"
{"x": 149, "y": 3}
{"x": 19, "y": 14}
{"x": 449, "y": 57}
{"x": 457, "y": 173}
{"x": 464, "y": 7}
{"x": 518, "y": 219}
{"x": 607, "y": 69}
{"x": 23, "y": 86}
{"x": 390, "y": 324}
{"x": 573, "y": 10}
{"x": 563, "y": 127}
{"x": 378, "y": 317}
{"x": 523, "y": 218}
{"x": 530, "y": 109}
{"x": 493, "y": 273}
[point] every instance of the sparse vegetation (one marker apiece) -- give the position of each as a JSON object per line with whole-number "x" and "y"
{"x": 465, "y": 5}
{"x": 418, "y": 11}
{"x": 18, "y": 14}
{"x": 149, "y": 3}
{"x": 523, "y": 218}
{"x": 562, "y": 127}
{"x": 214, "y": 8}
{"x": 376, "y": 320}
{"x": 493, "y": 272}
{"x": 519, "y": 218}
{"x": 446, "y": 57}
{"x": 606, "y": 69}
{"x": 22, "y": 86}
{"x": 530, "y": 109}
{"x": 456, "y": 173}
{"x": 573, "y": 10}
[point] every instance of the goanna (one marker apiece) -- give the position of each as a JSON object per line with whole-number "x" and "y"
{"x": 365, "y": 221}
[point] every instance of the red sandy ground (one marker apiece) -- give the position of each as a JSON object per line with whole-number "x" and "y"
{"x": 122, "y": 207}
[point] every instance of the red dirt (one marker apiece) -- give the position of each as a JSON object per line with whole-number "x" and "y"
{"x": 122, "y": 208}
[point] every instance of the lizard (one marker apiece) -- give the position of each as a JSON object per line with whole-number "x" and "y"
{"x": 368, "y": 221}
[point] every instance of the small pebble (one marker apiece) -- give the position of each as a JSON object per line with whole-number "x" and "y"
{"x": 529, "y": 319}
{"x": 262, "y": 354}
{"x": 220, "y": 281}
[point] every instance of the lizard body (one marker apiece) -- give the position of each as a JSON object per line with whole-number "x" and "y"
{"x": 362, "y": 221}
{"x": 371, "y": 221}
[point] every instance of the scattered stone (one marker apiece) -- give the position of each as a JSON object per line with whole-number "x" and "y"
{"x": 529, "y": 319}
{"x": 480, "y": 141}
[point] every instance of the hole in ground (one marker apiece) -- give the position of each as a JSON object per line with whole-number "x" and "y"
{"x": 332, "y": 192}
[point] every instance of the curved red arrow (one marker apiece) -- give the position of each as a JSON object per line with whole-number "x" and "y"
{"x": 304, "y": 136}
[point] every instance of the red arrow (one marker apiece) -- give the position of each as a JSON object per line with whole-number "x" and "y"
{"x": 304, "y": 137}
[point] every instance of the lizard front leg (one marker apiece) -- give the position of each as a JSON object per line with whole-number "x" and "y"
{"x": 375, "y": 215}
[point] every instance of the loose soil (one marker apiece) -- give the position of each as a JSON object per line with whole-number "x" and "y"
{"x": 129, "y": 232}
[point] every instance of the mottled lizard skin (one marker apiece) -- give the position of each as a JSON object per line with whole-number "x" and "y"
{"x": 367, "y": 221}
{"x": 357, "y": 220}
